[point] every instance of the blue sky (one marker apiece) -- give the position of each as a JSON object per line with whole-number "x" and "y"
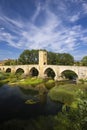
{"x": 55, "y": 25}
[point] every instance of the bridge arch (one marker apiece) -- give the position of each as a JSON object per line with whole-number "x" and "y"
{"x": 19, "y": 70}
{"x": 69, "y": 74}
{"x": 49, "y": 72}
{"x": 33, "y": 71}
{"x": 8, "y": 70}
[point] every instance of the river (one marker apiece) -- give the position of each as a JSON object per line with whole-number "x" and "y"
{"x": 13, "y": 106}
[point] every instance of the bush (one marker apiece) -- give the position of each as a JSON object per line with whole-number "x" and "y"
{"x": 50, "y": 84}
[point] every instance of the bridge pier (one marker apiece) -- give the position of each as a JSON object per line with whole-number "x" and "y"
{"x": 41, "y": 68}
{"x": 41, "y": 73}
{"x": 58, "y": 77}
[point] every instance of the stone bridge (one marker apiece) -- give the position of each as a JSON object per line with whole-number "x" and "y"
{"x": 42, "y": 68}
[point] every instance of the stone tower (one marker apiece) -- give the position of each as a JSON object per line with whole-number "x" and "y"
{"x": 42, "y": 58}
{"x": 42, "y": 62}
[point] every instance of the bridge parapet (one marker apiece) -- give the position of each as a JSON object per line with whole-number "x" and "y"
{"x": 81, "y": 71}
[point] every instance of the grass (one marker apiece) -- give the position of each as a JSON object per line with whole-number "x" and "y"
{"x": 30, "y": 81}
{"x": 62, "y": 95}
{"x": 68, "y": 94}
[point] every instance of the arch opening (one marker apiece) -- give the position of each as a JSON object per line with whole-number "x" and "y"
{"x": 8, "y": 70}
{"x": 69, "y": 74}
{"x": 33, "y": 72}
{"x": 50, "y": 73}
{"x": 19, "y": 71}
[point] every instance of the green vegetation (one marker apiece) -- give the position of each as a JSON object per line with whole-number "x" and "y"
{"x": 60, "y": 59}
{"x": 31, "y": 57}
{"x": 73, "y": 115}
{"x": 3, "y": 78}
{"x": 18, "y": 79}
{"x": 50, "y": 84}
{"x": 28, "y": 57}
{"x": 73, "y": 119}
{"x": 74, "y": 98}
{"x": 10, "y": 62}
{"x": 84, "y": 61}
{"x": 30, "y": 81}
{"x": 31, "y": 101}
{"x": 68, "y": 94}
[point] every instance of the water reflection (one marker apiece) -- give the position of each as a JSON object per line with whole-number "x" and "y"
{"x": 12, "y": 104}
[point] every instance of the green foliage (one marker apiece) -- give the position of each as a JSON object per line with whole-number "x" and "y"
{"x": 30, "y": 81}
{"x": 62, "y": 95}
{"x": 60, "y": 59}
{"x": 84, "y": 61}
{"x": 68, "y": 94}
{"x": 52, "y": 58}
{"x": 50, "y": 84}
{"x": 31, "y": 57}
{"x": 66, "y": 59}
{"x": 78, "y": 117}
{"x": 11, "y": 62}
{"x": 31, "y": 101}
{"x": 77, "y": 63}
{"x": 73, "y": 119}
{"x": 28, "y": 57}
{"x": 62, "y": 122}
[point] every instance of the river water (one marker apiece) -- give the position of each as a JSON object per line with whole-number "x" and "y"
{"x": 13, "y": 106}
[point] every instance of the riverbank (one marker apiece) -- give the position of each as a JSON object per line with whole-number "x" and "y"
{"x": 73, "y": 96}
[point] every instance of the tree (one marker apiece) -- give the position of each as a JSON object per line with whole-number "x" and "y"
{"x": 51, "y": 58}
{"x": 32, "y": 57}
{"x": 28, "y": 57}
{"x": 84, "y": 61}
{"x": 60, "y": 59}
{"x": 66, "y": 59}
{"x": 10, "y": 62}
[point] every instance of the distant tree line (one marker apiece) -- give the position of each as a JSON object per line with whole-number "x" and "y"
{"x": 32, "y": 57}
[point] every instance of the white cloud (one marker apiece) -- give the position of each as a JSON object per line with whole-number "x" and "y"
{"x": 52, "y": 35}
{"x": 84, "y": 8}
{"x": 75, "y": 17}
{"x": 38, "y": 6}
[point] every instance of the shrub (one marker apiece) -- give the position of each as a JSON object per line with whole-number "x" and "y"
{"x": 50, "y": 84}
